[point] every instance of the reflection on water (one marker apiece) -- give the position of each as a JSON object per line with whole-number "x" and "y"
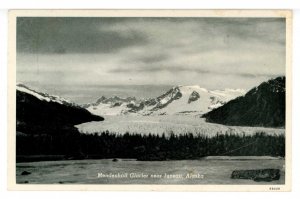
{"x": 106, "y": 171}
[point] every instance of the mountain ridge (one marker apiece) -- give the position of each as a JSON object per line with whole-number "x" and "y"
{"x": 41, "y": 113}
{"x": 263, "y": 105}
{"x": 187, "y": 99}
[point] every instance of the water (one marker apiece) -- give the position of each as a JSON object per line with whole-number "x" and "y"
{"x": 210, "y": 171}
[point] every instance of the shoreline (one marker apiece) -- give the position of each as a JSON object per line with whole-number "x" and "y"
{"x": 42, "y": 158}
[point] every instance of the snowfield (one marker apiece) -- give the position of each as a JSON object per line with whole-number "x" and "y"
{"x": 178, "y": 124}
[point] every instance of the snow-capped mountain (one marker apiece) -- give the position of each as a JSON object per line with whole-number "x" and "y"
{"x": 43, "y": 96}
{"x": 178, "y": 100}
{"x": 111, "y": 106}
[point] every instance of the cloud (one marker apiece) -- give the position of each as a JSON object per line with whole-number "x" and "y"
{"x": 152, "y": 58}
{"x": 71, "y": 35}
{"x": 255, "y": 46}
{"x": 222, "y": 52}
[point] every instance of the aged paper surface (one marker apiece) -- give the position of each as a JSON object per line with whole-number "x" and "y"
{"x": 150, "y": 100}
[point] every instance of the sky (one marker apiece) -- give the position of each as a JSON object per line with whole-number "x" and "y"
{"x": 68, "y": 53}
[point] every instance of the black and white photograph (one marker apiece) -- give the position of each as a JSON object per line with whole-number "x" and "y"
{"x": 151, "y": 99}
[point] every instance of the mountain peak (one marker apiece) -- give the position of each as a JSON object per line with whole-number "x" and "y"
{"x": 196, "y": 88}
{"x": 102, "y": 98}
{"x": 115, "y": 99}
{"x": 277, "y": 84}
{"x": 274, "y": 85}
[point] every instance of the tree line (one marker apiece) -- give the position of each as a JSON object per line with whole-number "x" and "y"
{"x": 74, "y": 145}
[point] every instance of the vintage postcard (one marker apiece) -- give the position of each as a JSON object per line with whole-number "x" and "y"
{"x": 150, "y": 100}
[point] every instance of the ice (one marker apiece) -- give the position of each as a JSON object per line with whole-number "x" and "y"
{"x": 167, "y": 124}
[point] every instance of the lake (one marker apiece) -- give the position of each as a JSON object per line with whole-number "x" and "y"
{"x": 106, "y": 171}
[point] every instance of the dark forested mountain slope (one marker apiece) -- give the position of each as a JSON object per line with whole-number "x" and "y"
{"x": 261, "y": 106}
{"x": 39, "y": 113}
